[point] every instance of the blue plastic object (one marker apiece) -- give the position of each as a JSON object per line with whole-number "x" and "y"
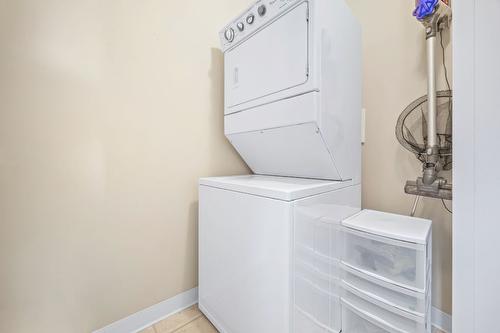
{"x": 425, "y": 8}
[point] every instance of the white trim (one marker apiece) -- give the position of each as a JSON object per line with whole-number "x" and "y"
{"x": 441, "y": 320}
{"x": 464, "y": 169}
{"x": 211, "y": 318}
{"x": 147, "y": 317}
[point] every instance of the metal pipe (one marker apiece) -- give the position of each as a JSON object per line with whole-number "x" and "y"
{"x": 415, "y": 204}
{"x": 431, "y": 91}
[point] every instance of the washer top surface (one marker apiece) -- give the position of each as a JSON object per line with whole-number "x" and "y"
{"x": 401, "y": 227}
{"x": 281, "y": 188}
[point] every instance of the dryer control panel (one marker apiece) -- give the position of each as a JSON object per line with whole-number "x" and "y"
{"x": 252, "y": 20}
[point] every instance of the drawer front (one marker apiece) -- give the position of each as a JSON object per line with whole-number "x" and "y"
{"x": 378, "y": 290}
{"x": 384, "y": 318}
{"x": 318, "y": 299}
{"x": 397, "y": 262}
{"x": 318, "y": 235}
{"x": 317, "y": 262}
{"x": 326, "y": 283}
{"x": 352, "y": 322}
{"x": 304, "y": 323}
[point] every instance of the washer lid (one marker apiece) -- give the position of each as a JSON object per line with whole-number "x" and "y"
{"x": 281, "y": 188}
{"x": 399, "y": 227}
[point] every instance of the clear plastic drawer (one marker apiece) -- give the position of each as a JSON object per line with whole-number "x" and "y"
{"x": 327, "y": 283}
{"x": 304, "y": 323}
{"x": 317, "y": 297}
{"x": 382, "y": 319}
{"x": 378, "y": 290}
{"x": 393, "y": 261}
{"x": 318, "y": 235}
{"x": 317, "y": 262}
{"x": 352, "y": 322}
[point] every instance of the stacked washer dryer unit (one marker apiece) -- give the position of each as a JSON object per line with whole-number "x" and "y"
{"x": 270, "y": 243}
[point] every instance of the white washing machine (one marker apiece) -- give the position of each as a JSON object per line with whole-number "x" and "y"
{"x": 269, "y": 252}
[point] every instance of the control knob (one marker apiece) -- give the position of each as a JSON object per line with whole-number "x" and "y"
{"x": 229, "y": 34}
{"x": 262, "y": 10}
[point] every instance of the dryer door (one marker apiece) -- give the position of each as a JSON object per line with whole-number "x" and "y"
{"x": 272, "y": 60}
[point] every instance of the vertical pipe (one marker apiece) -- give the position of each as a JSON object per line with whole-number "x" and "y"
{"x": 431, "y": 91}
{"x": 415, "y": 204}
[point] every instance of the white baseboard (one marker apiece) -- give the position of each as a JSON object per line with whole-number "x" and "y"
{"x": 147, "y": 317}
{"x": 441, "y": 320}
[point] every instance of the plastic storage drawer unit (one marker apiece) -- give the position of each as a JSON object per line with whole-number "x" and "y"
{"x": 389, "y": 247}
{"x": 317, "y": 248}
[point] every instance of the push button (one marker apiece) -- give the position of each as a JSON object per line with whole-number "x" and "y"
{"x": 250, "y": 18}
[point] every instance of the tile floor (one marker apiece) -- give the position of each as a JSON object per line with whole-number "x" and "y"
{"x": 190, "y": 320}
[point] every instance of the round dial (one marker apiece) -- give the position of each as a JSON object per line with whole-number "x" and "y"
{"x": 240, "y": 26}
{"x": 250, "y": 18}
{"x": 262, "y": 10}
{"x": 229, "y": 34}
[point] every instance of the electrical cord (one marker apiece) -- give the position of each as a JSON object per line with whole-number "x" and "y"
{"x": 446, "y": 207}
{"x": 445, "y": 68}
{"x": 449, "y": 88}
{"x": 444, "y": 59}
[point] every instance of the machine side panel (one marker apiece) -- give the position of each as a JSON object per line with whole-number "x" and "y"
{"x": 341, "y": 88}
{"x": 244, "y": 261}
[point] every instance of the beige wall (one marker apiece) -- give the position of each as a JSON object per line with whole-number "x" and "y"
{"x": 109, "y": 113}
{"x": 394, "y": 76}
